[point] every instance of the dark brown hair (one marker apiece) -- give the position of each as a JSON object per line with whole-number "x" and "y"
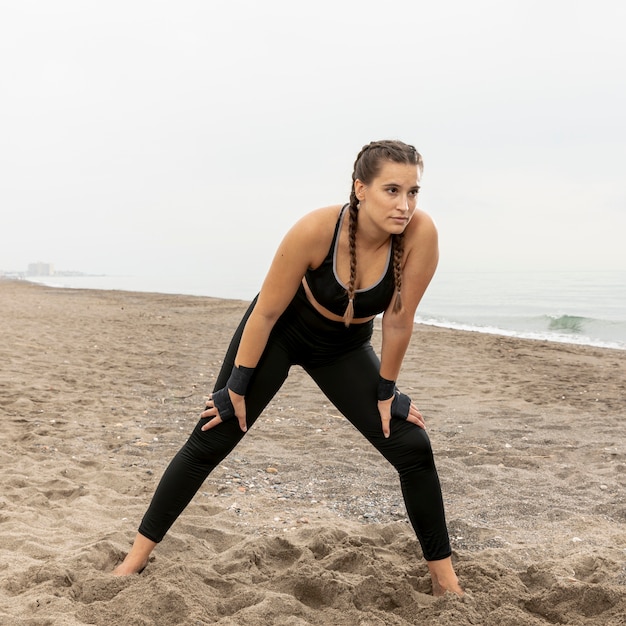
{"x": 367, "y": 166}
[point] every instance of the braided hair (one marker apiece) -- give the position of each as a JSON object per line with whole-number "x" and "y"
{"x": 367, "y": 166}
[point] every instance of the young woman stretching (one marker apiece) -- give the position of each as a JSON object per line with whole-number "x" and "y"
{"x": 334, "y": 271}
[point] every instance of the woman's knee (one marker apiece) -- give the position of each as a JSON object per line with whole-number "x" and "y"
{"x": 212, "y": 446}
{"x": 410, "y": 449}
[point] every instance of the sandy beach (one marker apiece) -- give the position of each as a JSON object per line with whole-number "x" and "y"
{"x": 299, "y": 526}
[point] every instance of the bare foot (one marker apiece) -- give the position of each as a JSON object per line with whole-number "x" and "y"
{"x": 129, "y": 566}
{"x": 137, "y": 559}
{"x": 444, "y": 579}
{"x": 450, "y": 586}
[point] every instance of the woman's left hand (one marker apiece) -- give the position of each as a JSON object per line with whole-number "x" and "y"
{"x": 384, "y": 408}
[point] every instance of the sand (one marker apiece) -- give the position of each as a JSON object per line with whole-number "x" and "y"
{"x": 304, "y": 523}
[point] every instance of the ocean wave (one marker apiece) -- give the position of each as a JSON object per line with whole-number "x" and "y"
{"x": 567, "y": 329}
{"x": 567, "y": 323}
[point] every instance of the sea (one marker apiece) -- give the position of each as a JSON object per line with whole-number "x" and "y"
{"x": 561, "y": 306}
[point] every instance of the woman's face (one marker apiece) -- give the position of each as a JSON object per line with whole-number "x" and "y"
{"x": 389, "y": 200}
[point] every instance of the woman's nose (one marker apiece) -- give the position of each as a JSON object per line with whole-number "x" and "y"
{"x": 403, "y": 203}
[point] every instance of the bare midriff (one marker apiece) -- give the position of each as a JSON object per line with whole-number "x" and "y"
{"x": 329, "y": 314}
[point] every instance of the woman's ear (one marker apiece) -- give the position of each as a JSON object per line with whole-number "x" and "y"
{"x": 359, "y": 189}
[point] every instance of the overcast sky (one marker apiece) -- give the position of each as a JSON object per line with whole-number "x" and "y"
{"x": 146, "y": 137}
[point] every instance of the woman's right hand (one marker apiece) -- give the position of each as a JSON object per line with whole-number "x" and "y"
{"x": 231, "y": 404}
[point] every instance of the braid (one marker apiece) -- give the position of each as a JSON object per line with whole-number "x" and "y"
{"x": 398, "y": 251}
{"x": 353, "y": 218}
{"x": 348, "y": 316}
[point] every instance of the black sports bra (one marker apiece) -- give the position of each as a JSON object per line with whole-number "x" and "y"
{"x": 331, "y": 293}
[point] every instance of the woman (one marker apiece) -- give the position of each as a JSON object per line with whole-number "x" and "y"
{"x": 335, "y": 270}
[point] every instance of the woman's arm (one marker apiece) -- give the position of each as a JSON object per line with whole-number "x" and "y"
{"x": 422, "y": 255}
{"x": 305, "y": 245}
{"x": 281, "y": 283}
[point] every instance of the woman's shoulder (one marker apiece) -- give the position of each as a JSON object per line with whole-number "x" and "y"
{"x": 311, "y": 235}
{"x": 421, "y": 228}
{"x": 318, "y": 223}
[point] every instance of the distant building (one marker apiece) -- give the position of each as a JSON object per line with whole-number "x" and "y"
{"x": 40, "y": 269}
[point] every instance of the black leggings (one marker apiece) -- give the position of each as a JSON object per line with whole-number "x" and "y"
{"x": 343, "y": 363}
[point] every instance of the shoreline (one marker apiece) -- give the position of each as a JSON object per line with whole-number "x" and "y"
{"x": 304, "y": 522}
{"x": 462, "y": 327}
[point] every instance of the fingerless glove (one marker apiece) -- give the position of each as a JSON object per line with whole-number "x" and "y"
{"x": 400, "y": 405}
{"x": 401, "y": 402}
{"x": 238, "y": 383}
